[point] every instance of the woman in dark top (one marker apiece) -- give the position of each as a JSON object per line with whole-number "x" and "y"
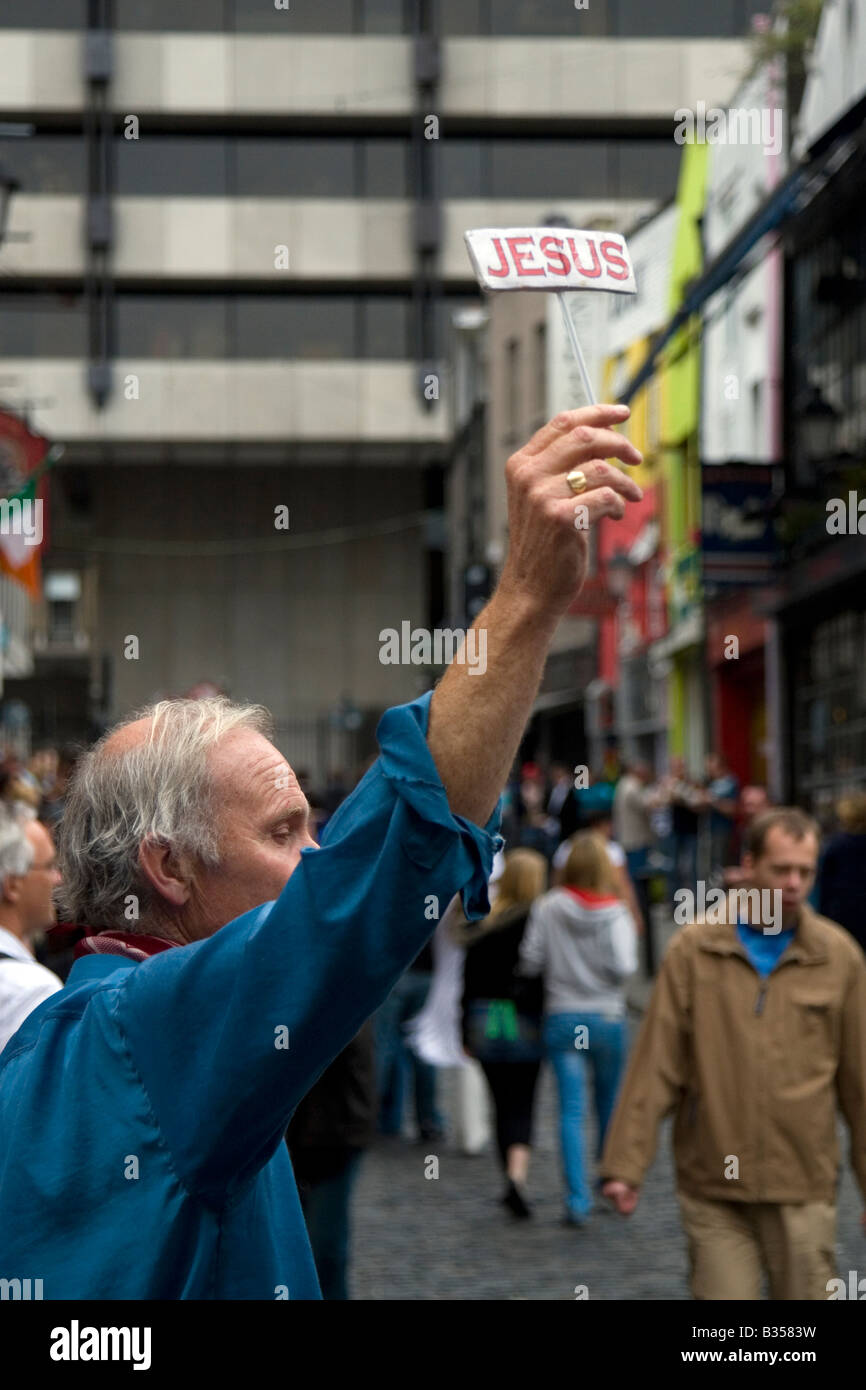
{"x": 842, "y": 874}
{"x": 502, "y": 1015}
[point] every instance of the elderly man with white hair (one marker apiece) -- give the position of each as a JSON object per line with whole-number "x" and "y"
{"x": 28, "y": 875}
{"x": 228, "y": 958}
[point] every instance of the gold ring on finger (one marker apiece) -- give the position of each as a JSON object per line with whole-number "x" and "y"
{"x": 576, "y": 480}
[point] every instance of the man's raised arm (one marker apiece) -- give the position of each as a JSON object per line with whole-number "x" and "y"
{"x": 477, "y": 719}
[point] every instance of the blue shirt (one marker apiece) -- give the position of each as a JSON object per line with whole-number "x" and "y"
{"x": 764, "y": 948}
{"x": 143, "y": 1107}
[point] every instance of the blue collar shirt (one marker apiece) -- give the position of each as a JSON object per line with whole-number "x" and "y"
{"x": 143, "y": 1108}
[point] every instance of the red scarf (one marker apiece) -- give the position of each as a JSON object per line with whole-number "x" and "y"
{"x": 133, "y": 945}
{"x": 589, "y": 897}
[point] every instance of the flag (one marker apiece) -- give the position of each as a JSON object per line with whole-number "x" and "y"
{"x": 23, "y": 501}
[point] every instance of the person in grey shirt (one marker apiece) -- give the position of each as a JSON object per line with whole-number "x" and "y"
{"x": 581, "y": 939}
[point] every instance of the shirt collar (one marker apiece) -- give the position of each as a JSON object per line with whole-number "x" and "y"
{"x": 11, "y": 945}
{"x": 92, "y": 968}
{"x": 806, "y": 945}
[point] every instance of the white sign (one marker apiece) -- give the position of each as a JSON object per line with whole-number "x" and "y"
{"x": 550, "y": 258}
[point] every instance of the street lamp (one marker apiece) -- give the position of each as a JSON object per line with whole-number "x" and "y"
{"x": 8, "y": 185}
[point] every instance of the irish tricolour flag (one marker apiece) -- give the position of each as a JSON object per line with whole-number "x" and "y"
{"x": 24, "y": 457}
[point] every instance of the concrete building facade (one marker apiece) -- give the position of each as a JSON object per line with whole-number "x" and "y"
{"x": 228, "y": 288}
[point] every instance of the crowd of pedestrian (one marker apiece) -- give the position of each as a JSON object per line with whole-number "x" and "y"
{"x": 542, "y": 979}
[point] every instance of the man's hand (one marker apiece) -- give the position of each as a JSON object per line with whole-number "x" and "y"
{"x": 548, "y": 552}
{"x": 477, "y": 719}
{"x": 623, "y": 1195}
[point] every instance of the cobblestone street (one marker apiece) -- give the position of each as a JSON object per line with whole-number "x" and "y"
{"x": 419, "y": 1238}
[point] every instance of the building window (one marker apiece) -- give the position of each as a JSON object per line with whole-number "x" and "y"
{"x": 42, "y": 14}
{"x": 384, "y": 168}
{"x": 296, "y": 326}
{"x": 830, "y": 711}
{"x": 295, "y": 168}
{"x": 548, "y": 168}
{"x": 211, "y": 166}
{"x": 461, "y": 17}
{"x": 644, "y": 168}
{"x": 171, "y": 326}
{"x": 489, "y": 18}
{"x": 302, "y": 17}
{"x": 385, "y": 325}
{"x": 383, "y": 16}
{"x": 462, "y": 168}
{"x": 171, "y": 166}
{"x": 62, "y": 596}
{"x": 546, "y": 17}
{"x": 172, "y": 16}
{"x": 46, "y": 163}
{"x": 42, "y": 325}
{"x": 635, "y": 19}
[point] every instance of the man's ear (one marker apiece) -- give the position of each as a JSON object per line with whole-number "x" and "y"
{"x": 166, "y": 874}
{"x": 12, "y": 887}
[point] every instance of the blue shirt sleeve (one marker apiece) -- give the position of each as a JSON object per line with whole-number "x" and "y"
{"x": 227, "y": 1035}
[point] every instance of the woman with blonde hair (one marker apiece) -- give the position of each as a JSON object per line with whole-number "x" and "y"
{"x": 581, "y": 941}
{"x": 502, "y": 1017}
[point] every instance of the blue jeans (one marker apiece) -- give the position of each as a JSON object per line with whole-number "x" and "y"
{"x": 394, "y": 1060}
{"x": 326, "y": 1212}
{"x": 605, "y": 1052}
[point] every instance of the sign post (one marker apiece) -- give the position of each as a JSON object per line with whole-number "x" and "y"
{"x": 571, "y": 333}
{"x": 553, "y": 258}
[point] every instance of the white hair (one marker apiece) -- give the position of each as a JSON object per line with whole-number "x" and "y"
{"x": 16, "y": 852}
{"x": 159, "y": 788}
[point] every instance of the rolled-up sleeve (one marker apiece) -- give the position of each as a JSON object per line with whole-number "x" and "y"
{"x": 308, "y": 968}
{"x": 406, "y": 764}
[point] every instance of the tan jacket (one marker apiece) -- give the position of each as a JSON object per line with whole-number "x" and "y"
{"x": 753, "y": 1069}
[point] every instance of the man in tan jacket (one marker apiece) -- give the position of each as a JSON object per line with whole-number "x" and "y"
{"x": 755, "y": 1033}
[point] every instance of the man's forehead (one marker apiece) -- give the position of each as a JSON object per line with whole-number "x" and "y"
{"x": 782, "y": 844}
{"x": 128, "y": 735}
{"x": 252, "y": 766}
{"x": 38, "y": 834}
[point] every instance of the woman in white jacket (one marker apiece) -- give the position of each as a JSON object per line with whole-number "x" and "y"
{"x": 581, "y": 939}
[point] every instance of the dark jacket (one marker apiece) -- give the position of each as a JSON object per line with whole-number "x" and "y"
{"x": 842, "y": 883}
{"x": 338, "y": 1114}
{"x": 488, "y": 971}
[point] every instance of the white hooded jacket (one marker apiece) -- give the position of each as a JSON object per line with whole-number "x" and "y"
{"x": 585, "y": 947}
